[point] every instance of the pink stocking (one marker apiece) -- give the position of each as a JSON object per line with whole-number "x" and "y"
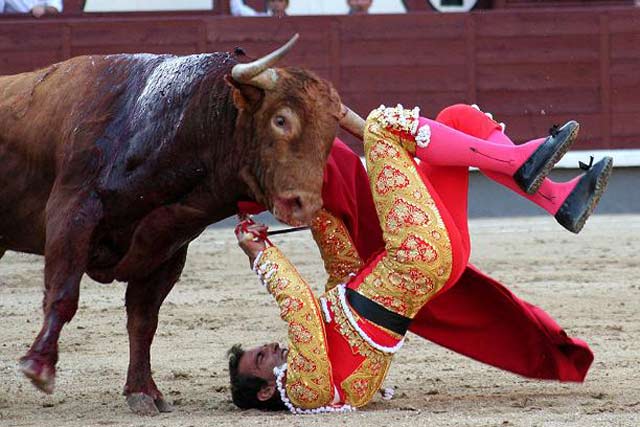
{"x": 449, "y": 147}
{"x": 474, "y": 122}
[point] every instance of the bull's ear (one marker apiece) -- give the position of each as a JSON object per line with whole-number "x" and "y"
{"x": 245, "y": 97}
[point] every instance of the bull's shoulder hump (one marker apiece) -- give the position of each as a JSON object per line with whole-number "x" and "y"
{"x": 153, "y": 59}
{"x": 157, "y": 107}
{"x": 175, "y": 77}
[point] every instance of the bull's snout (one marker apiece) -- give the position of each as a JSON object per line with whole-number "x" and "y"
{"x": 296, "y": 208}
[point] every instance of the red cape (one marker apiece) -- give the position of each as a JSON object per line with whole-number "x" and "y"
{"x": 480, "y": 318}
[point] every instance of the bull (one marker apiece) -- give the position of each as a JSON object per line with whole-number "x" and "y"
{"x": 111, "y": 165}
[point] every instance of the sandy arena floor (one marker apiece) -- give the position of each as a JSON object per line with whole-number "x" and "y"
{"x": 589, "y": 283}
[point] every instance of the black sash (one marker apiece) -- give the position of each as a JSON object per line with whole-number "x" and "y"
{"x": 378, "y": 314}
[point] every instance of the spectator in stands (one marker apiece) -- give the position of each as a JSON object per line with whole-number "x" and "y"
{"x": 277, "y": 8}
{"x": 359, "y": 7}
{"x": 37, "y": 8}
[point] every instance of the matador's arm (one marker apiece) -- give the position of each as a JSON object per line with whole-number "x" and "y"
{"x": 336, "y": 248}
{"x": 309, "y": 382}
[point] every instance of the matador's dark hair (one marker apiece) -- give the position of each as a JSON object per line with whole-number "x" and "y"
{"x": 245, "y": 388}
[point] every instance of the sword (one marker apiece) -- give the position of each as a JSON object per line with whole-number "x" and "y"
{"x": 286, "y": 230}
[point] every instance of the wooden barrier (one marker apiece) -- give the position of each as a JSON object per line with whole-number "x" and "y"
{"x": 530, "y": 68}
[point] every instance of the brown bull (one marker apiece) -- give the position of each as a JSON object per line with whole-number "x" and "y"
{"x": 111, "y": 165}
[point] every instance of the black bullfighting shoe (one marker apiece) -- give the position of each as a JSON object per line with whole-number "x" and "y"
{"x": 536, "y": 168}
{"x": 585, "y": 196}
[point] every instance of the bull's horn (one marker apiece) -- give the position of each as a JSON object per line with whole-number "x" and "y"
{"x": 351, "y": 122}
{"x": 258, "y": 73}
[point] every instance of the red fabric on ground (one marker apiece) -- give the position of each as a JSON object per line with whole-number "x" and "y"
{"x": 480, "y": 318}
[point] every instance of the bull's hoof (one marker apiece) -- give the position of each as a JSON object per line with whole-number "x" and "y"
{"x": 142, "y": 404}
{"x": 41, "y": 375}
{"x": 163, "y": 405}
{"x": 145, "y": 405}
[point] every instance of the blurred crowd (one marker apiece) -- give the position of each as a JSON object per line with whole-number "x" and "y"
{"x": 275, "y": 8}
{"x": 36, "y": 8}
{"x": 278, "y": 8}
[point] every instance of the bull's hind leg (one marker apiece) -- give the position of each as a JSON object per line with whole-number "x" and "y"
{"x": 70, "y": 223}
{"x": 144, "y": 298}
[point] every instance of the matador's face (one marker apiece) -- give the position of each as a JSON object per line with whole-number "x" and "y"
{"x": 260, "y": 361}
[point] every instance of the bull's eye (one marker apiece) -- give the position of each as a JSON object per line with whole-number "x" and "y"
{"x": 280, "y": 121}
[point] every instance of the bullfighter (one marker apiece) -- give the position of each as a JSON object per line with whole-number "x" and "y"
{"x": 341, "y": 345}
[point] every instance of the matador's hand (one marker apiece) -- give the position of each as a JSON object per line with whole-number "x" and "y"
{"x": 251, "y": 237}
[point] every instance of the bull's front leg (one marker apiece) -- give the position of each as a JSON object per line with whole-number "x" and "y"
{"x": 143, "y": 299}
{"x": 158, "y": 236}
{"x": 70, "y": 224}
{"x": 152, "y": 265}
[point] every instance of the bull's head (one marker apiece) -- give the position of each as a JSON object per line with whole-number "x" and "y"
{"x": 290, "y": 116}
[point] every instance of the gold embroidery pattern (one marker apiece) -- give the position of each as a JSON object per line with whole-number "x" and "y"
{"x": 365, "y": 381}
{"x": 403, "y": 213}
{"x": 305, "y": 396}
{"x": 309, "y": 382}
{"x": 300, "y": 333}
{"x": 381, "y": 150}
{"x": 362, "y": 385}
{"x": 414, "y": 249}
{"x": 302, "y": 364}
{"x": 336, "y": 248}
{"x": 418, "y": 259}
{"x": 290, "y": 305}
{"x": 390, "y": 179}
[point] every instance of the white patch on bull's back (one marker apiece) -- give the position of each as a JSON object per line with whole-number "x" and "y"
{"x": 170, "y": 79}
{"x": 138, "y": 56}
{"x": 160, "y": 107}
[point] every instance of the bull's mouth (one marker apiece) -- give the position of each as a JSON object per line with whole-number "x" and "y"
{"x": 292, "y": 207}
{"x": 285, "y": 217}
{"x": 296, "y": 208}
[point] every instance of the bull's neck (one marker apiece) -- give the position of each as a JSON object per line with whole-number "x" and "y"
{"x": 210, "y": 127}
